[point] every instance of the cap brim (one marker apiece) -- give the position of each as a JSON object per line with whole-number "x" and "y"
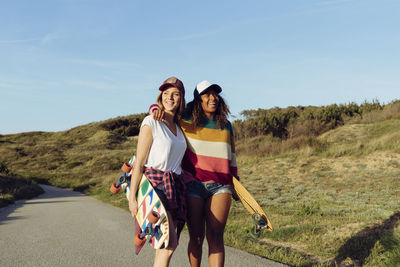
{"x": 216, "y": 87}
{"x": 163, "y": 87}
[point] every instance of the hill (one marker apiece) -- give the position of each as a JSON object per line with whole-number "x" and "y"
{"x": 328, "y": 177}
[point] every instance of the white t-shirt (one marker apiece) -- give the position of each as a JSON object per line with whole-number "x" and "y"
{"x": 167, "y": 150}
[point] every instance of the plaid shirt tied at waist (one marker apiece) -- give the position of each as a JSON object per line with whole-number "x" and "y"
{"x": 174, "y": 190}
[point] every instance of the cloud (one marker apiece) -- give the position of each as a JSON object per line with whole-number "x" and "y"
{"x": 333, "y": 2}
{"x": 51, "y": 36}
{"x": 21, "y": 84}
{"x": 16, "y": 41}
{"x": 96, "y": 85}
{"x": 46, "y": 39}
{"x": 195, "y": 35}
{"x": 103, "y": 63}
{"x": 65, "y": 86}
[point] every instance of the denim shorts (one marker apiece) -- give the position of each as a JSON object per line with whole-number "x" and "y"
{"x": 206, "y": 190}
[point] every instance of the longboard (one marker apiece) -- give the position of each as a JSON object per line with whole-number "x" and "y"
{"x": 259, "y": 217}
{"x": 151, "y": 221}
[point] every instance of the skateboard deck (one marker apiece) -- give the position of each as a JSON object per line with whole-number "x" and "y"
{"x": 259, "y": 217}
{"x": 151, "y": 221}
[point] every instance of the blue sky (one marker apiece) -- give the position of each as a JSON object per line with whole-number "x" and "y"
{"x": 66, "y": 63}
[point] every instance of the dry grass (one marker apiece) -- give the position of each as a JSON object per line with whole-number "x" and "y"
{"x": 323, "y": 194}
{"x": 318, "y": 199}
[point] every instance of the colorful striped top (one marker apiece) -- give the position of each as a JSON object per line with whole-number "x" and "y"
{"x": 210, "y": 153}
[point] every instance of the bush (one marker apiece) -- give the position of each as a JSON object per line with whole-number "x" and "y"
{"x": 299, "y": 121}
{"x": 3, "y": 168}
{"x": 124, "y": 126}
{"x": 297, "y": 127}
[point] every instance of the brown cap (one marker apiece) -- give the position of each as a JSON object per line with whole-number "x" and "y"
{"x": 173, "y": 82}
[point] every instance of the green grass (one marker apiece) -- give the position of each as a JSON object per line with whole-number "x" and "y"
{"x": 332, "y": 198}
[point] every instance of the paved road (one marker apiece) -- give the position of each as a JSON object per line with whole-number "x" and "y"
{"x": 66, "y": 228}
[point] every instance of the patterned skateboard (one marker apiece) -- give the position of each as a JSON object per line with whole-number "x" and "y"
{"x": 151, "y": 221}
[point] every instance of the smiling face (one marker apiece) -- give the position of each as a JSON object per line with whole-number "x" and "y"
{"x": 171, "y": 99}
{"x": 209, "y": 103}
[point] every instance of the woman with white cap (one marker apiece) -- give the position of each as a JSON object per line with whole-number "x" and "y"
{"x": 211, "y": 159}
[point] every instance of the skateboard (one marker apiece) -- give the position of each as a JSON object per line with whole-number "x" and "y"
{"x": 151, "y": 221}
{"x": 260, "y": 219}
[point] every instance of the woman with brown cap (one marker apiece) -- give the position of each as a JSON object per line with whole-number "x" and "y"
{"x": 160, "y": 149}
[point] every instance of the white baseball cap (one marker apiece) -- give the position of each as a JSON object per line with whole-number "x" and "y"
{"x": 203, "y": 86}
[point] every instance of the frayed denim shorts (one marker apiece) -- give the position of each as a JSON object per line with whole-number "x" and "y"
{"x": 206, "y": 190}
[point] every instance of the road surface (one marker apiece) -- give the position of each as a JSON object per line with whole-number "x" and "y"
{"x": 67, "y": 228}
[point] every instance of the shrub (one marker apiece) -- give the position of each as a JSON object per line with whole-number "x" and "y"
{"x": 3, "y": 168}
{"x": 125, "y": 126}
{"x": 298, "y": 121}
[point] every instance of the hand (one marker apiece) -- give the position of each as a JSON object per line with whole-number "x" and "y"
{"x": 235, "y": 196}
{"x": 133, "y": 207}
{"x": 158, "y": 115}
{"x": 152, "y": 108}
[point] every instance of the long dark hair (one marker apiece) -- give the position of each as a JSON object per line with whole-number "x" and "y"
{"x": 197, "y": 116}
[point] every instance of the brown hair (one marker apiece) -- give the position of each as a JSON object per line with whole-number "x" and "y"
{"x": 198, "y": 117}
{"x": 181, "y": 107}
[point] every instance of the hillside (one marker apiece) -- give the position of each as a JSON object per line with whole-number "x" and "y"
{"x": 331, "y": 196}
{"x": 337, "y": 198}
{"x": 74, "y": 157}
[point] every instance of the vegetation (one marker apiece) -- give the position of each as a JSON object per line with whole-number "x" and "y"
{"x": 13, "y": 187}
{"x": 328, "y": 177}
{"x": 279, "y": 130}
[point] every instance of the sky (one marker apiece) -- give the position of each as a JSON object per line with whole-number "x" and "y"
{"x": 65, "y": 63}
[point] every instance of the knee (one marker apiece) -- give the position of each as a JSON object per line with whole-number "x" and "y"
{"x": 196, "y": 241}
{"x": 215, "y": 235}
{"x": 196, "y": 237}
{"x": 169, "y": 250}
{"x": 172, "y": 246}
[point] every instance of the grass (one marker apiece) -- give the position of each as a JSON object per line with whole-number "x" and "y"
{"x": 14, "y": 188}
{"x": 318, "y": 203}
{"x": 332, "y": 198}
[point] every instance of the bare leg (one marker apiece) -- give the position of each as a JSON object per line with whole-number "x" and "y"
{"x": 163, "y": 256}
{"x": 196, "y": 226}
{"x": 216, "y": 211}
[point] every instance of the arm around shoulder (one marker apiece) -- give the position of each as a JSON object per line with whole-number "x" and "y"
{"x": 157, "y": 113}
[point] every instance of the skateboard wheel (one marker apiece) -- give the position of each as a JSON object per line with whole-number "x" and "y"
{"x": 126, "y": 167}
{"x": 139, "y": 241}
{"x": 258, "y": 219}
{"x": 114, "y": 189}
{"x": 153, "y": 217}
{"x": 255, "y": 233}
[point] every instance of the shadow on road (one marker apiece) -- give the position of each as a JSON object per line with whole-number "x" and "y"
{"x": 359, "y": 246}
{"x": 49, "y": 196}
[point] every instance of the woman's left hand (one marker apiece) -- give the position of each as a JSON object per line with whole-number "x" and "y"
{"x": 133, "y": 207}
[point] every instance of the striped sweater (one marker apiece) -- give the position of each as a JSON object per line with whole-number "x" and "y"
{"x": 210, "y": 153}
